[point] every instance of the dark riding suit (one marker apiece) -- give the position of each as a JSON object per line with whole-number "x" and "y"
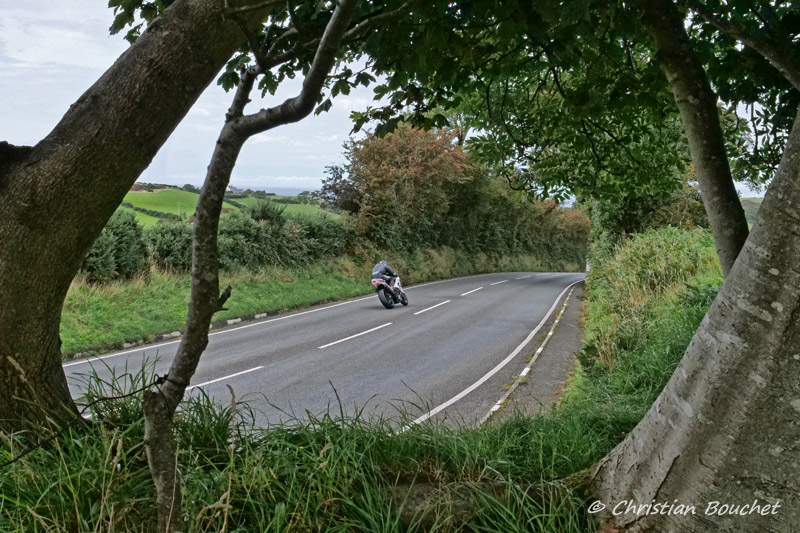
{"x": 384, "y": 272}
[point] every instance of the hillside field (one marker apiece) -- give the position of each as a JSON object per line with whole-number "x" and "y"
{"x": 145, "y": 220}
{"x": 167, "y": 201}
{"x": 290, "y": 209}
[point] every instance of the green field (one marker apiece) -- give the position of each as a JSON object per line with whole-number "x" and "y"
{"x": 173, "y": 201}
{"x": 176, "y": 201}
{"x": 143, "y": 219}
{"x": 290, "y": 210}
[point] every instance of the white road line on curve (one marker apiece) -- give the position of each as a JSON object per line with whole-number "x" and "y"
{"x": 224, "y": 377}
{"x": 497, "y": 368}
{"x": 259, "y": 323}
{"x": 473, "y": 290}
{"x": 499, "y": 404}
{"x": 499, "y": 282}
{"x": 432, "y": 307}
{"x": 525, "y": 277}
{"x": 356, "y": 335}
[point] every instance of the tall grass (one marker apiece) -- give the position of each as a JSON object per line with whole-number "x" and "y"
{"x": 329, "y": 474}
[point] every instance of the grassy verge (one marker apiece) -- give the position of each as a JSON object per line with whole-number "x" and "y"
{"x": 352, "y": 475}
{"x": 100, "y": 318}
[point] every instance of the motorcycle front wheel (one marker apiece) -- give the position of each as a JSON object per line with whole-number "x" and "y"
{"x": 386, "y": 298}
{"x": 403, "y": 299}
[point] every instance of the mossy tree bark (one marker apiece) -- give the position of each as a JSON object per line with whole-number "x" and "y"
{"x": 56, "y": 197}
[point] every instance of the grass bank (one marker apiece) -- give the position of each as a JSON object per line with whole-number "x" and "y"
{"x": 642, "y": 307}
{"x": 101, "y": 317}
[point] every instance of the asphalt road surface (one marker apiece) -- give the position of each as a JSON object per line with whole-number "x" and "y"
{"x": 448, "y": 354}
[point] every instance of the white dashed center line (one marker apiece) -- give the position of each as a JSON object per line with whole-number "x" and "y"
{"x": 473, "y": 290}
{"x": 356, "y": 335}
{"x": 432, "y": 307}
{"x": 223, "y": 378}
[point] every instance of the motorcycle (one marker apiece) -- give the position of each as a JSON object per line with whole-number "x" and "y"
{"x": 390, "y": 294}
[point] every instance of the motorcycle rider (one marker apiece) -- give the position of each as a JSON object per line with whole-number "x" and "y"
{"x": 383, "y": 271}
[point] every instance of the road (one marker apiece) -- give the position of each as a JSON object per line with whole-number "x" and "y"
{"x": 449, "y": 354}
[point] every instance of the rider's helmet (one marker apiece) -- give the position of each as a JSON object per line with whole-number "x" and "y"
{"x": 382, "y": 263}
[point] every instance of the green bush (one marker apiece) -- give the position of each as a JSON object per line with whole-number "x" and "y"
{"x": 328, "y": 236}
{"x": 247, "y": 243}
{"x": 261, "y": 236}
{"x": 99, "y": 263}
{"x": 171, "y": 245}
{"x": 266, "y": 211}
{"x": 119, "y": 252}
{"x": 131, "y": 254}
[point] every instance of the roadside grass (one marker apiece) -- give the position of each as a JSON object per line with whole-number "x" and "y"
{"x": 351, "y": 474}
{"x": 101, "y": 317}
{"x": 105, "y": 316}
{"x": 329, "y": 474}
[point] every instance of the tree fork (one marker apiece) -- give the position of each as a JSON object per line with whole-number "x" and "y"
{"x": 697, "y": 105}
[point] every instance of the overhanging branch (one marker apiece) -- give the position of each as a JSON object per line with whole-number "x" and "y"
{"x": 769, "y": 50}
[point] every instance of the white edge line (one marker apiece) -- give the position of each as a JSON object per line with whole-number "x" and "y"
{"x": 473, "y": 290}
{"x": 497, "y": 406}
{"x": 259, "y": 323}
{"x": 499, "y": 282}
{"x": 432, "y": 307}
{"x": 497, "y": 368}
{"x": 224, "y": 377}
{"x": 356, "y": 335}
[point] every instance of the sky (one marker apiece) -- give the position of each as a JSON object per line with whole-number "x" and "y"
{"x": 52, "y": 51}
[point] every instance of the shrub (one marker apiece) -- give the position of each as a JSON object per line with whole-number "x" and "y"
{"x": 328, "y": 236}
{"x": 242, "y": 242}
{"x": 119, "y": 252}
{"x": 264, "y": 210}
{"x": 99, "y": 262}
{"x": 171, "y": 245}
{"x": 131, "y": 254}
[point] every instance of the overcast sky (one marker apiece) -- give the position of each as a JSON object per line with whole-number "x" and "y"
{"x": 51, "y": 51}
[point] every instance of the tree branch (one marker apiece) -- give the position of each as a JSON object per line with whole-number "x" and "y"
{"x": 205, "y": 300}
{"x": 251, "y": 7}
{"x": 768, "y": 49}
{"x": 294, "y": 109}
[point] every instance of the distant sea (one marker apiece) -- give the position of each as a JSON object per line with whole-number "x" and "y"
{"x": 280, "y": 191}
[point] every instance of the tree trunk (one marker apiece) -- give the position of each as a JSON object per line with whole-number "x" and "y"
{"x": 726, "y": 428}
{"x": 56, "y": 197}
{"x": 697, "y": 104}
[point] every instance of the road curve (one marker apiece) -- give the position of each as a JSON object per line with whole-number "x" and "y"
{"x": 416, "y": 359}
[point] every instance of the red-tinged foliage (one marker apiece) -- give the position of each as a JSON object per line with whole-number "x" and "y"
{"x": 418, "y": 189}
